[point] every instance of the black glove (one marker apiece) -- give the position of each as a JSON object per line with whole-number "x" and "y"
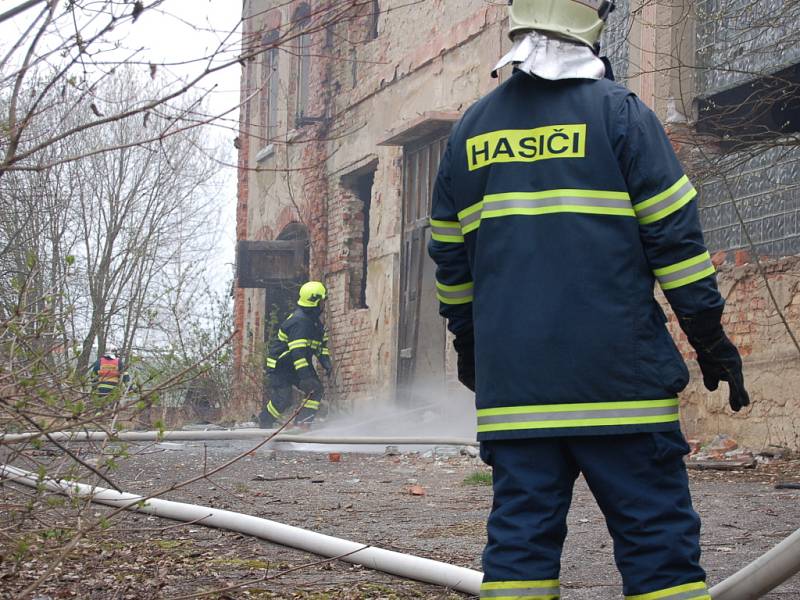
{"x": 326, "y": 364}
{"x": 718, "y": 358}
{"x": 465, "y": 348}
{"x": 310, "y": 386}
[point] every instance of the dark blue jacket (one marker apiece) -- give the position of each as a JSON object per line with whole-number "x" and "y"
{"x": 300, "y": 337}
{"x": 557, "y": 206}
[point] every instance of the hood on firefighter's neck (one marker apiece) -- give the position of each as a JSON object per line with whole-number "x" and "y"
{"x": 551, "y": 57}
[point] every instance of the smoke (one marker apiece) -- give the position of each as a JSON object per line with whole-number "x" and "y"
{"x": 429, "y": 408}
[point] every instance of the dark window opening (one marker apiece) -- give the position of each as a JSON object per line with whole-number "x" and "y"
{"x": 360, "y": 184}
{"x": 301, "y": 20}
{"x": 269, "y": 85}
{"x": 354, "y": 66}
{"x": 757, "y": 111}
{"x": 375, "y": 17}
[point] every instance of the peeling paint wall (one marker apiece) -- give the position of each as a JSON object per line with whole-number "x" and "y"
{"x": 430, "y": 57}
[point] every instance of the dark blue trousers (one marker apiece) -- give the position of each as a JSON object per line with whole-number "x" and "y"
{"x": 639, "y": 482}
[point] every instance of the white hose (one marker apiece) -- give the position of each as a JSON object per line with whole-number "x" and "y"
{"x": 753, "y": 581}
{"x": 396, "y": 563}
{"x": 228, "y": 434}
{"x": 763, "y": 574}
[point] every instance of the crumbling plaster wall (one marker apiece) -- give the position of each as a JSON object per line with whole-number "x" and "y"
{"x": 399, "y": 77}
{"x": 429, "y": 57}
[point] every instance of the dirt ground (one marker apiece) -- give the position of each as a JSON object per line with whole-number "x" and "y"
{"x": 367, "y": 497}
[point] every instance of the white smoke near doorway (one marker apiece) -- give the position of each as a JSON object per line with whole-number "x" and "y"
{"x": 428, "y": 409}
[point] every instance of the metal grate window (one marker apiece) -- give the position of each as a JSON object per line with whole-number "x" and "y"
{"x": 614, "y": 42}
{"x": 766, "y": 189}
{"x": 745, "y": 51}
{"x": 738, "y": 40}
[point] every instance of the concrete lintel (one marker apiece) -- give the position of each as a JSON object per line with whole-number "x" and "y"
{"x": 423, "y": 126}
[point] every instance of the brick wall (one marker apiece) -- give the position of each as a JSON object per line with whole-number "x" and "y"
{"x": 242, "y": 195}
{"x": 753, "y": 323}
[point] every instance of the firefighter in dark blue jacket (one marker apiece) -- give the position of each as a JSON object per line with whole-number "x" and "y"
{"x": 558, "y": 204}
{"x": 290, "y": 359}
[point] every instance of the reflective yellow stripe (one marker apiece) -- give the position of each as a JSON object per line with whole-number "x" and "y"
{"x": 272, "y": 363}
{"x": 592, "y": 202}
{"x": 282, "y": 336}
{"x": 586, "y": 414}
{"x": 301, "y": 343}
{"x": 470, "y": 217}
{"x": 326, "y": 352}
{"x": 685, "y": 272}
{"x": 312, "y": 404}
{"x": 284, "y": 354}
{"x": 548, "y": 589}
{"x": 454, "y": 294}
{"x": 300, "y": 363}
{"x": 446, "y": 231}
{"x": 687, "y": 591}
{"x": 273, "y": 411}
{"x": 667, "y": 202}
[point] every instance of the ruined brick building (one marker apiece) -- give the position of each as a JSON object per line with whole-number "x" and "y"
{"x": 346, "y": 106}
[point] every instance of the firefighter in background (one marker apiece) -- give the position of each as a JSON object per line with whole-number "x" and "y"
{"x": 558, "y": 203}
{"x": 108, "y": 372}
{"x": 290, "y": 359}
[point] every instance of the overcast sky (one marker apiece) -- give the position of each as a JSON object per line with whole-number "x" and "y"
{"x": 183, "y": 31}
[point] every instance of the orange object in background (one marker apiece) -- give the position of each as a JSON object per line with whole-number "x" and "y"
{"x": 334, "y": 456}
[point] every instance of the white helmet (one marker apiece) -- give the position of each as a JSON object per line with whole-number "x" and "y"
{"x": 579, "y": 20}
{"x": 111, "y": 352}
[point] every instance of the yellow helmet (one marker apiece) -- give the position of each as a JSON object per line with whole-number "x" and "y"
{"x": 579, "y": 20}
{"x": 312, "y": 293}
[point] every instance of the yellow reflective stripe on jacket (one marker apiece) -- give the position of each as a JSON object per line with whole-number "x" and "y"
{"x": 273, "y": 411}
{"x": 687, "y": 591}
{"x": 285, "y": 353}
{"x": 593, "y": 202}
{"x": 446, "y": 231}
{"x": 325, "y": 352}
{"x": 300, "y": 363}
{"x": 312, "y": 404}
{"x": 282, "y": 336}
{"x": 454, "y": 294}
{"x": 548, "y": 589}
{"x": 586, "y": 414}
{"x": 685, "y": 272}
{"x": 301, "y": 343}
{"x": 272, "y": 363}
{"x": 667, "y": 202}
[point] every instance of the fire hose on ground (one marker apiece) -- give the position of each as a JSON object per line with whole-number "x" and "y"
{"x": 752, "y": 582}
{"x": 227, "y": 434}
{"x": 396, "y": 563}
